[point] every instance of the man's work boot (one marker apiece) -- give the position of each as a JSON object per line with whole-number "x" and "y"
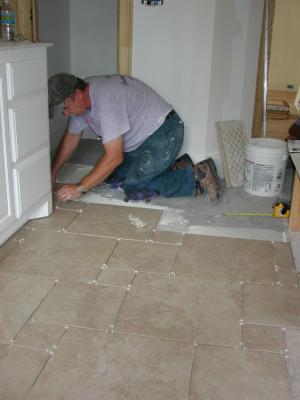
{"x": 183, "y": 162}
{"x": 207, "y": 179}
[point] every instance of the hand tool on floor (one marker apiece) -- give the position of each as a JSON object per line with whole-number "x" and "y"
{"x": 281, "y": 209}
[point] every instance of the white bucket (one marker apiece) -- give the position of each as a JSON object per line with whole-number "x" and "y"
{"x": 265, "y": 166}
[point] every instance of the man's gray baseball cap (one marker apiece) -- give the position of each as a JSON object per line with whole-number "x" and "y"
{"x": 60, "y": 86}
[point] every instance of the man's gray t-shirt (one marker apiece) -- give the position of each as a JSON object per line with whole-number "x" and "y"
{"x": 121, "y": 105}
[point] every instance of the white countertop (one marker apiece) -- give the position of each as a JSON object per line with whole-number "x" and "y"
{"x": 296, "y": 160}
{"x": 22, "y": 44}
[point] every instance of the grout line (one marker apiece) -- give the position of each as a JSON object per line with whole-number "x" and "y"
{"x": 120, "y": 308}
{"x": 36, "y": 379}
{"x": 23, "y": 346}
{"x": 287, "y": 364}
{"x": 104, "y": 236}
{"x": 77, "y": 214}
{"x": 35, "y": 310}
{"x": 242, "y": 320}
{"x": 175, "y": 259}
{"x": 107, "y": 259}
{"x": 191, "y": 372}
{"x": 44, "y": 366}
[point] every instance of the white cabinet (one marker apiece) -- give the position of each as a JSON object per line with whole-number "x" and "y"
{"x": 24, "y": 136}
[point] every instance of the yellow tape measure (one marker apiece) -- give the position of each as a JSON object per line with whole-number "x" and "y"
{"x": 281, "y": 209}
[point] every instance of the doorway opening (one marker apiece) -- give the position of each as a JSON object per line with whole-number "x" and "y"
{"x": 283, "y": 79}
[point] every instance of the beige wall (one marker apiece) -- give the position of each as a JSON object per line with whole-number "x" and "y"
{"x": 285, "y": 54}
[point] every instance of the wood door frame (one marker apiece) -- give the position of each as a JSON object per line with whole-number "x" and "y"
{"x": 124, "y": 33}
{"x": 125, "y": 28}
{"x": 257, "y": 125}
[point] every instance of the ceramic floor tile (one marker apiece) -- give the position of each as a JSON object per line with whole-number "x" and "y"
{"x": 19, "y": 296}
{"x": 81, "y": 305}
{"x": 293, "y": 346}
{"x": 90, "y": 365}
{"x": 115, "y": 277}
{"x": 261, "y": 337}
{"x": 272, "y": 305}
{"x": 215, "y": 258}
{"x": 7, "y": 248}
{"x": 287, "y": 278}
{"x": 116, "y": 221}
{"x": 60, "y": 255}
{"x": 232, "y": 374}
{"x": 18, "y": 370}
{"x": 283, "y": 256}
{"x": 165, "y": 307}
{"x": 58, "y": 220}
{"x": 167, "y": 237}
{"x": 38, "y": 335}
{"x": 143, "y": 256}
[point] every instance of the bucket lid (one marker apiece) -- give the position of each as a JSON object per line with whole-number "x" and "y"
{"x": 266, "y": 145}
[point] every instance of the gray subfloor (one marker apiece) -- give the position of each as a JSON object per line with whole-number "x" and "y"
{"x": 191, "y": 215}
{"x": 97, "y": 303}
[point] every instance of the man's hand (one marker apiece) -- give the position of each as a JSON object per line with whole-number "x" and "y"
{"x": 68, "y": 192}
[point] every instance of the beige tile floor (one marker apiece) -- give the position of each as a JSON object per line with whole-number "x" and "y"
{"x": 97, "y": 304}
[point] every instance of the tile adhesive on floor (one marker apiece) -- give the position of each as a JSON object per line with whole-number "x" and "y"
{"x": 197, "y": 215}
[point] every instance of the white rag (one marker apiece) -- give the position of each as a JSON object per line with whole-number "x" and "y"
{"x": 297, "y": 100}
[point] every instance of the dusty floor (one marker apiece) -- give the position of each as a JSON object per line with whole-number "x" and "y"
{"x": 95, "y": 303}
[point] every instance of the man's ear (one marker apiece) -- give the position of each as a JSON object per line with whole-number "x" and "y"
{"x": 78, "y": 94}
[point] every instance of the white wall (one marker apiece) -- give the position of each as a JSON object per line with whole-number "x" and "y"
{"x": 236, "y": 43}
{"x": 172, "y": 47}
{"x": 201, "y": 55}
{"x": 93, "y": 37}
{"x": 54, "y": 26}
{"x": 84, "y": 37}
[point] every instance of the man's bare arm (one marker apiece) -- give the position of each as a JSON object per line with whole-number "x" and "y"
{"x": 112, "y": 158}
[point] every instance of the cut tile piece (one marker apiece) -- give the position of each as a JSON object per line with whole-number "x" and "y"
{"x": 169, "y": 307}
{"x": 19, "y": 296}
{"x": 115, "y": 277}
{"x": 283, "y": 256}
{"x": 221, "y": 373}
{"x": 293, "y": 346}
{"x": 90, "y": 364}
{"x": 116, "y": 221}
{"x": 39, "y": 335}
{"x": 261, "y": 337}
{"x": 60, "y": 255}
{"x": 143, "y": 256}
{"x": 272, "y": 305}
{"x": 58, "y": 220}
{"x": 19, "y": 368}
{"x": 70, "y": 205}
{"x": 81, "y": 305}
{"x": 206, "y": 257}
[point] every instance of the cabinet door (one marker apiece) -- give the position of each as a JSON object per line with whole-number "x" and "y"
{"x": 6, "y": 198}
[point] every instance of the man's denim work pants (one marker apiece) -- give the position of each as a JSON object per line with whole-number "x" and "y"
{"x": 148, "y": 168}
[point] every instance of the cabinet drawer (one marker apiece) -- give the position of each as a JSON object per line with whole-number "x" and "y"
{"x": 24, "y": 77}
{"x": 29, "y": 126}
{"x": 31, "y": 181}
